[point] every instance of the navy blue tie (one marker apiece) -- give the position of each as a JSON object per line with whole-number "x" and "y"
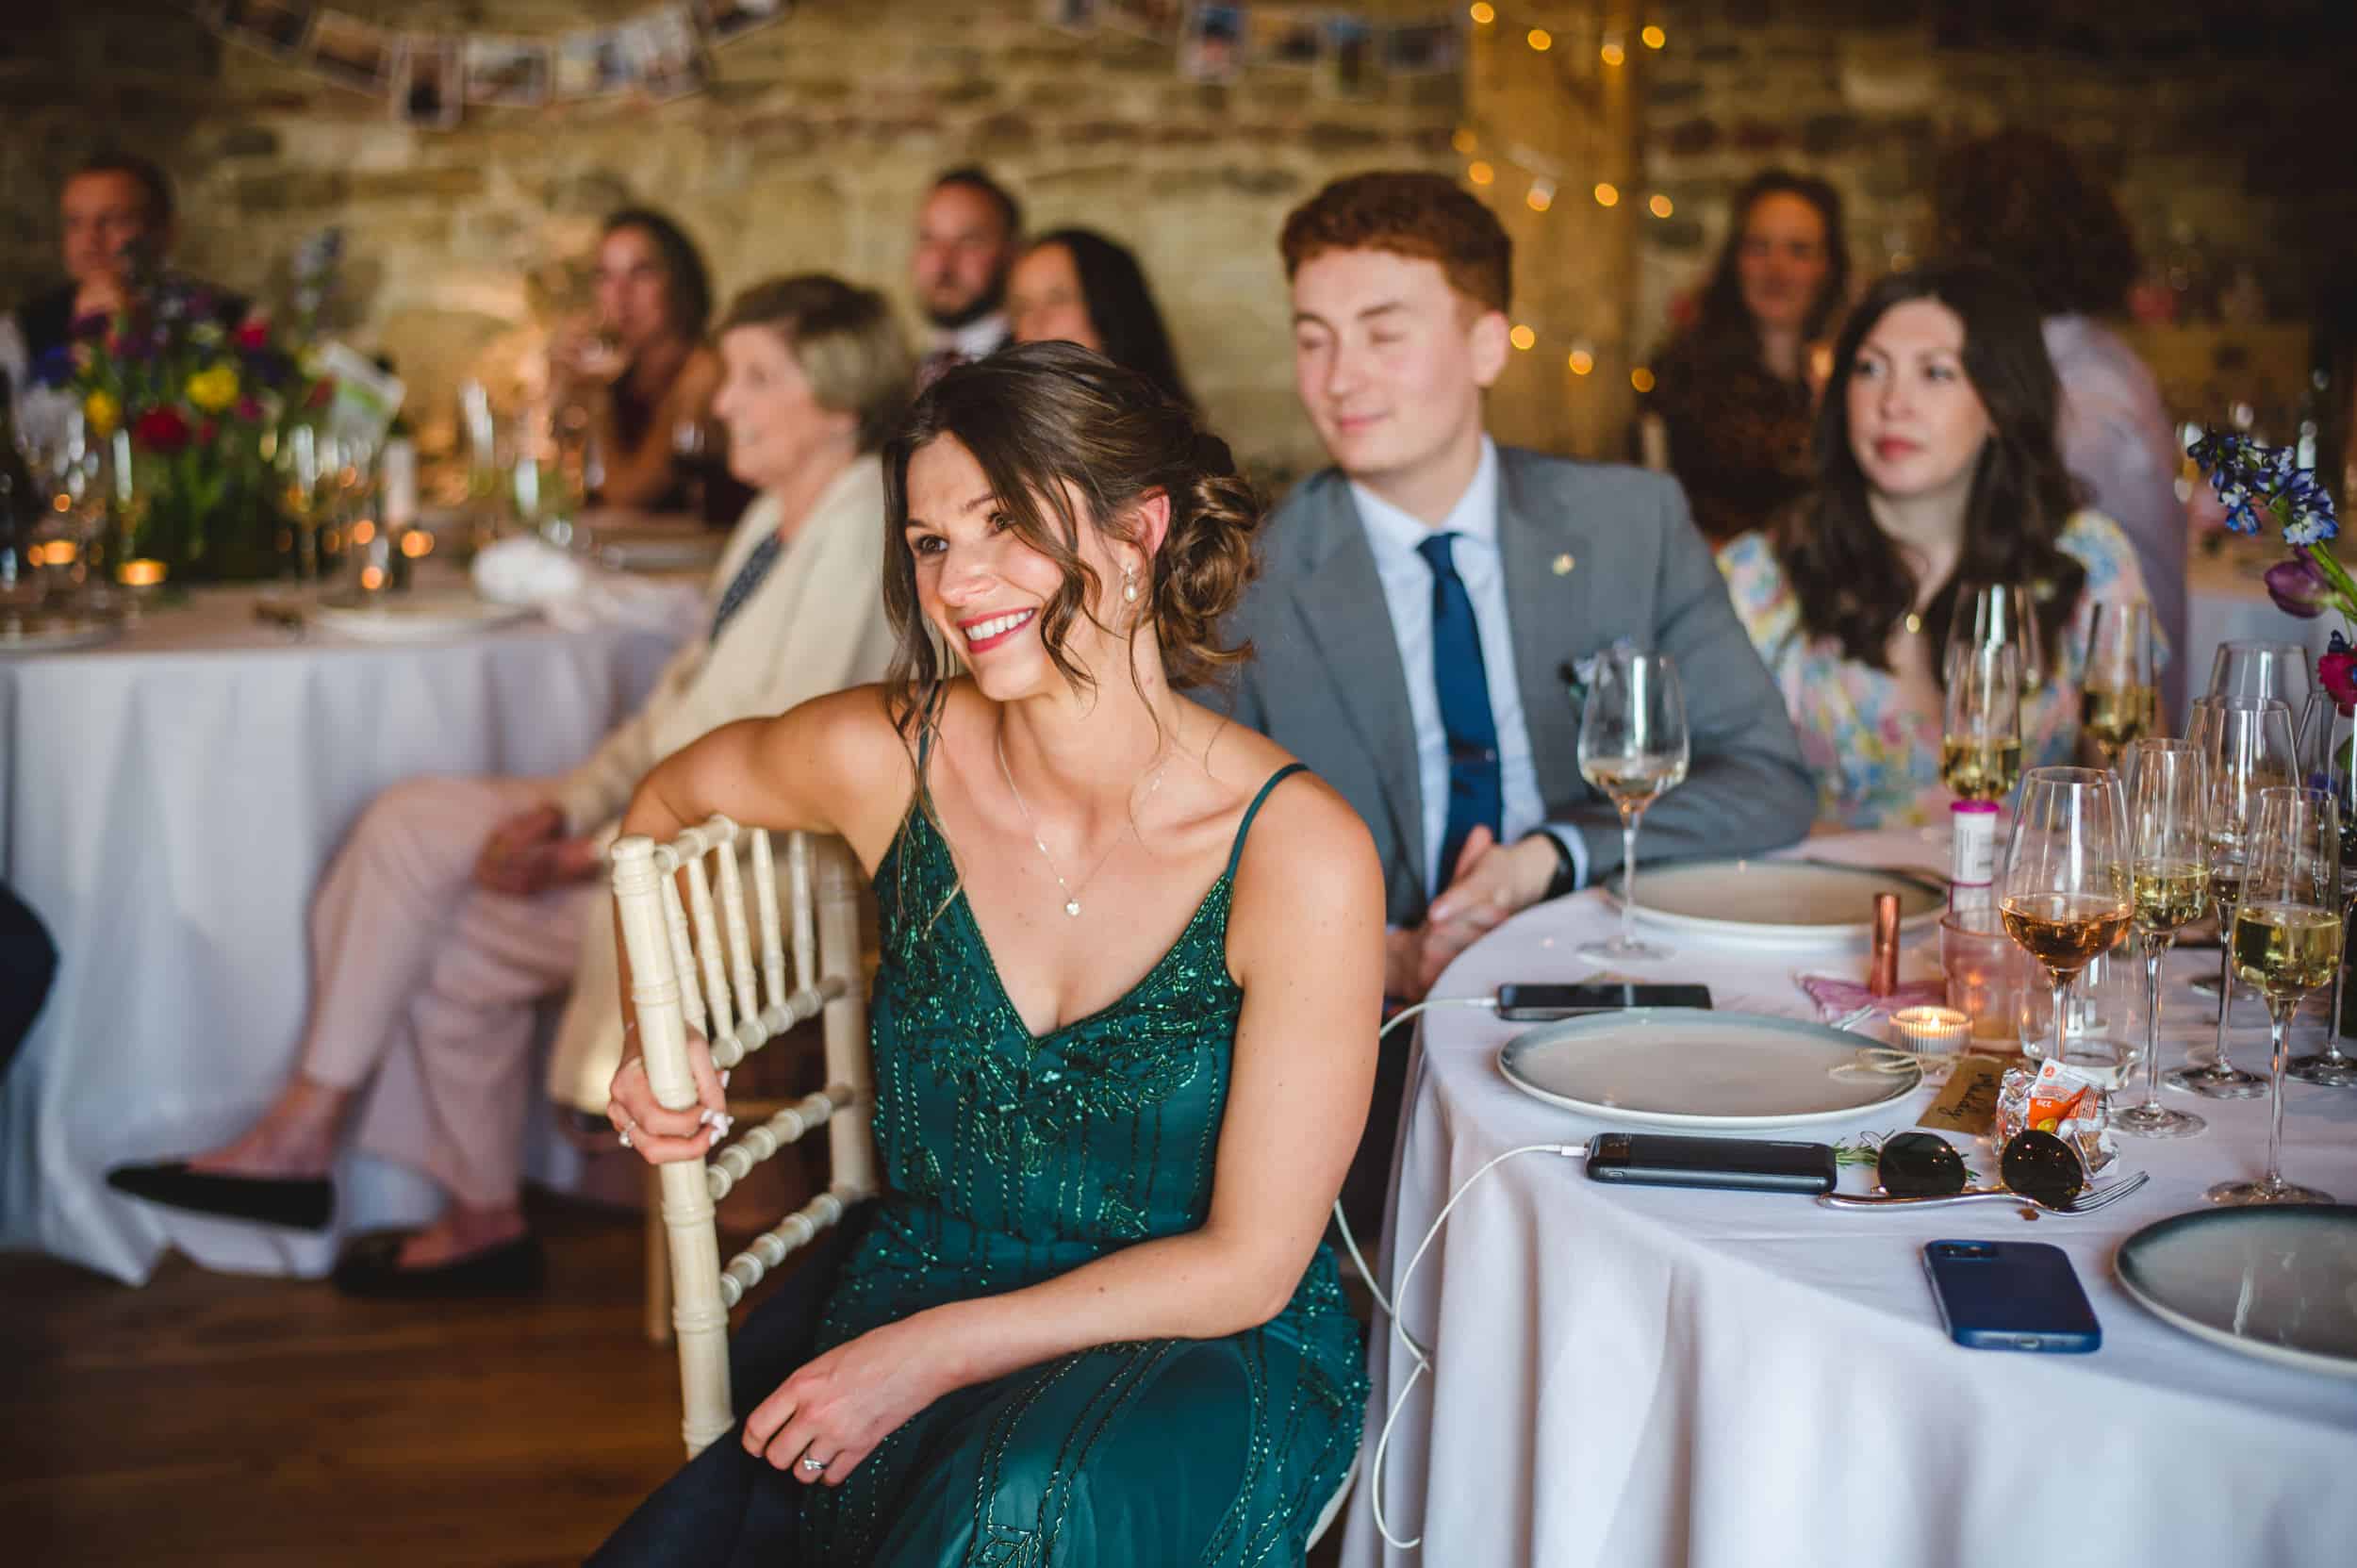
{"x": 746, "y": 582}
{"x": 1476, "y": 790}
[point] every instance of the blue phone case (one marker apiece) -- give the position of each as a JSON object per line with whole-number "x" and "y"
{"x": 2011, "y": 1295}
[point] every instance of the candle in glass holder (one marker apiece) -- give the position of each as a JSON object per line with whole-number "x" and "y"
{"x": 141, "y": 572}
{"x": 1930, "y": 1029}
{"x": 1985, "y": 975}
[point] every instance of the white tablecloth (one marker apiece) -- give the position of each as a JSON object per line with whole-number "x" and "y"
{"x": 167, "y": 805}
{"x": 1635, "y": 1376}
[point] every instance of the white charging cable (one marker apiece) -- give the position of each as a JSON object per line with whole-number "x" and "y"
{"x": 1420, "y": 1353}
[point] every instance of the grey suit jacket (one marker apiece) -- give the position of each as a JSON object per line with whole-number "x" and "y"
{"x": 1592, "y": 553}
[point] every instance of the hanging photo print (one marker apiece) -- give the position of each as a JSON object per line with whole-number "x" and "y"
{"x": 426, "y": 83}
{"x": 1210, "y": 44}
{"x": 1287, "y": 39}
{"x": 726, "y": 19}
{"x": 353, "y": 53}
{"x": 511, "y": 72}
{"x": 273, "y": 26}
{"x": 668, "y": 58}
{"x": 593, "y": 63}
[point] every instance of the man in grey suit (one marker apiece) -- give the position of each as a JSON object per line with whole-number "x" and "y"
{"x": 1421, "y": 602}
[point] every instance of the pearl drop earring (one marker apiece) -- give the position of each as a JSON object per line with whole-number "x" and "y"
{"x": 1129, "y": 584}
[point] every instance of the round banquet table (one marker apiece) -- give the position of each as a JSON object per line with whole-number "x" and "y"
{"x": 168, "y": 803}
{"x": 1637, "y": 1376}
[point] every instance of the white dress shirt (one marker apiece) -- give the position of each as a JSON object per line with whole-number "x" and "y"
{"x": 976, "y": 339}
{"x": 1394, "y": 536}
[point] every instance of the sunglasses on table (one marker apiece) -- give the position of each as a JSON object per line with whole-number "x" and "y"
{"x": 2034, "y": 1163}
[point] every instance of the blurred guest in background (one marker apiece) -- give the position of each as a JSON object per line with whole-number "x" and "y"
{"x": 1079, "y": 287}
{"x": 1732, "y": 390}
{"x": 642, "y": 371}
{"x": 1937, "y": 467}
{"x": 456, "y": 904}
{"x": 2020, "y": 200}
{"x": 967, "y": 233}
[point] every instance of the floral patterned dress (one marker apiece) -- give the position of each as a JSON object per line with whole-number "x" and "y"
{"x": 1876, "y": 759}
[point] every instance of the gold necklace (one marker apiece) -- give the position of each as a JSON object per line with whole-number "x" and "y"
{"x": 1071, "y": 894}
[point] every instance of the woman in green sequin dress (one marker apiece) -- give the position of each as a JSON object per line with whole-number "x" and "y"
{"x": 1123, "y": 1035}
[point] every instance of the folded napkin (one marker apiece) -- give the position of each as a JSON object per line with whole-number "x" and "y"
{"x": 575, "y": 595}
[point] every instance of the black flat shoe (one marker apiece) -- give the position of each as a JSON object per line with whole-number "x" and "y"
{"x": 370, "y": 1266}
{"x": 300, "y": 1202}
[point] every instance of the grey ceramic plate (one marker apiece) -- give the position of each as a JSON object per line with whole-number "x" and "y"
{"x": 1675, "y": 1066}
{"x": 421, "y": 617}
{"x": 1777, "y": 901}
{"x": 2275, "y": 1281}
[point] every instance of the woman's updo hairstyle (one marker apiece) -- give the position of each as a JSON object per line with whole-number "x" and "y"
{"x": 1068, "y": 439}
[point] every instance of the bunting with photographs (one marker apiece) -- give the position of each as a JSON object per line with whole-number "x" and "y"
{"x": 1218, "y": 40}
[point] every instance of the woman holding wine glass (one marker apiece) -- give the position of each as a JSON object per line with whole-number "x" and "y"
{"x": 2247, "y": 748}
{"x": 1936, "y": 474}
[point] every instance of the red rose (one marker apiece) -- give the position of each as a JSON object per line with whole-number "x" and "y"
{"x": 162, "y": 430}
{"x": 255, "y": 332}
{"x": 2338, "y": 672}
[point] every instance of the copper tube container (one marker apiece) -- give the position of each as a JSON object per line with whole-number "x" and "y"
{"x": 1882, "y": 976}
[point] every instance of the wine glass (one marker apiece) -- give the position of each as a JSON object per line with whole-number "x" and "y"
{"x": 2246, "y": 747}
{"x": 2286, "y": 941}
{"x": 695, "y": 446}
{"x": 1633, "y": 747}
{"x": 306, "y": 494}
{"x": 1980, "y": 746}
{"x": 2168, "y": 877}
{"x": 1991, "y": 612}
{"x": 2327, "y": 748}
{"x": 2120, "y": 701}
{"x": 2277, "y": 669}
{"x": 2064, "y": 896}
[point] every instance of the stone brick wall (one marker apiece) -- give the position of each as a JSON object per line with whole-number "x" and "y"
{"x": 2221, "y": 125}
{"x": 809, "y": 149}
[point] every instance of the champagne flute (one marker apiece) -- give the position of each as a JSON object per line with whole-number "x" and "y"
{"x": 2168, "y": 877}
{"x": 2287, "y": 942}
{"x": 2246, "y": 747}
{"x": 2327, "y": 745}
{"x": 2120, "y": 701}
{"x": 1633, "y": 747}
{"x": 1980, "y": 746}
{"x": 2065, "y": 894}
{"x": 1993, "y": 612}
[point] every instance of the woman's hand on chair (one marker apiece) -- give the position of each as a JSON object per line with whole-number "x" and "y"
{"x": 840, "y": 1405}
{"x": 660, "y": 1136}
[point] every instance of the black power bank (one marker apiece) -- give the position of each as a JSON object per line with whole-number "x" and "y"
{"x": 1751, "y": 1164}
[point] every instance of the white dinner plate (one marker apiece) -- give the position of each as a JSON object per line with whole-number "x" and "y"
{"x": 2275, "y": 1281}
{"x": 52, "y": 635}
{"x": 666, "y": 550}
{"x": 1677, "y": 1066}
{"x": 1777, "y": 902}
{"x": 416, "y": 617}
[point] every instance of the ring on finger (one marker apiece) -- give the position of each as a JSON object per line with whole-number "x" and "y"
{"x": 814, "y": 1465}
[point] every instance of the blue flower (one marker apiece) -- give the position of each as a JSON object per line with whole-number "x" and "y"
{"x": 55, "y": 366}
{"x": 2307, "y": 511}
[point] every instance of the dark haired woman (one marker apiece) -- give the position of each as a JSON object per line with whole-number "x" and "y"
{"x": 1131, "y": 963}
{"x": 1077, "y": 286}
{"x": 643, "y": 369}
{"x": 1732, "y": 389}
{"x": 2020, "y": 200}
{"x": 1937, "y": 467}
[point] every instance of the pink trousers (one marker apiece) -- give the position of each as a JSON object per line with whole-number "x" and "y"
{"x": 426, "y": 984}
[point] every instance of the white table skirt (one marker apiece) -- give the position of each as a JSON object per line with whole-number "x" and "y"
{"x": 1635, "y": 1375}
{"x": 168, "y": 804}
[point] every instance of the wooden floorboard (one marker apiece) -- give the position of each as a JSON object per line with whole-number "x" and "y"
{"x": 260, "y": 1423}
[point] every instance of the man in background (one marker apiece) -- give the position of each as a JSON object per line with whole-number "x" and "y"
{"x": 967, "y": 233}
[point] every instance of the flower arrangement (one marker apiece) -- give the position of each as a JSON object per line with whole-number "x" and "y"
{"x": 202, "y": 393}
{"x": 2261, "y": 484}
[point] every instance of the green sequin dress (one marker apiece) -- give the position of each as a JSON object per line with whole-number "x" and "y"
{"x": 1009, "y": 1159}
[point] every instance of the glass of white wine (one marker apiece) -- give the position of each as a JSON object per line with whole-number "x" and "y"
{"x": 2247, "y": 747}
{"x": 1980, "y": 745}
{"x": 2286, "y": 941}
{"x": 2066, "y": 897}
{"x": 2328, "y": 753}
{"x": 1633, "y": 747}
{"x": 2118, "y": 699}
{"x": 2168, "y": 875}
{"x": 1996, "y": 614}
{"x": 307, "y": 488}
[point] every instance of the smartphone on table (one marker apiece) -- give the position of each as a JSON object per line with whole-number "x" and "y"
{"x": 1746, "y": 1165}
{"x": 2011, "y": 1295}
{"x": 1522, "y": 1003}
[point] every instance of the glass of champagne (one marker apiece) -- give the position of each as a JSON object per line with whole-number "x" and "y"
{"x": 2287, "y": 942}
{"x": 2120, "y": 701}
{"x": 1988, "y": 614}
{"x": 2246, "y": 747}
{"x": 307, "y": 492}
{"x": 1633, "y": 747}
{"x": 2328, "y": 747}
{"x": 1980, "y": 745}
{"x": 2065, "y": 896}
{"x": 2168, "y": 875}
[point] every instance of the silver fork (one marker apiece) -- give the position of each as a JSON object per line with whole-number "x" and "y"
{"x": 2097, "y": 1196}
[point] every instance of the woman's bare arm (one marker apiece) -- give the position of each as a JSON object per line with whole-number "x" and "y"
{"x": 638, "y": 476}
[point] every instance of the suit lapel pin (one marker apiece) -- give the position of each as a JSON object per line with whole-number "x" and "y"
{"x": 1563, "y": 564}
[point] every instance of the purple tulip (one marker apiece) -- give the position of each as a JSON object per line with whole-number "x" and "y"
{"x": 2298, "y": 587}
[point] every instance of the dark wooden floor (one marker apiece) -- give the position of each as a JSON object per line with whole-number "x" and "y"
{"x": 210, "y": 1418}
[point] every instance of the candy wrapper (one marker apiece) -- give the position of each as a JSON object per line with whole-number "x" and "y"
{"x": 2061, "y": 1100}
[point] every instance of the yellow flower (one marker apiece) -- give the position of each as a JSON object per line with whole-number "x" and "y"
{"x": 214, "y": 389}
{"x": 103, "y": 412}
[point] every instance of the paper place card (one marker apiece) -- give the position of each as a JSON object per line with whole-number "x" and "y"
{"x": 1968, "y": 1103}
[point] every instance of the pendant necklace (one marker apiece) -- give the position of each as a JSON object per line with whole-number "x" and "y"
{"x": 1071, "y": 894}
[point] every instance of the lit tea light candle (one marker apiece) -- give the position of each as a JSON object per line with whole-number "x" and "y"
{"x": 140, "y": 574}
{"x": 1930, "y": 1029}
